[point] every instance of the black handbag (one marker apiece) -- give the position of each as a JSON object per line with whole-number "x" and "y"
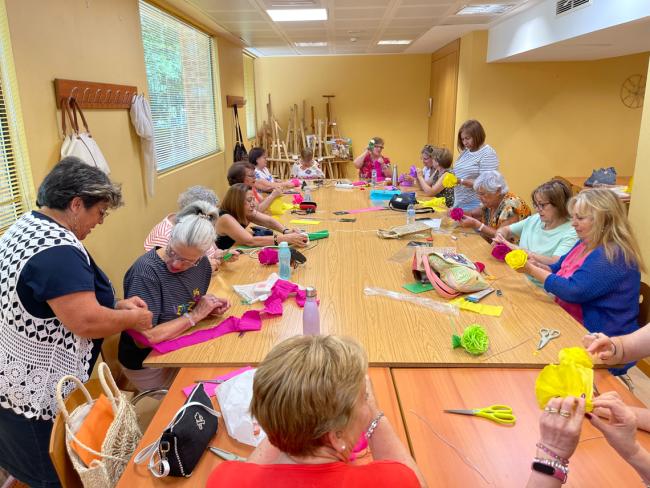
{"x": 239, "y": 153}
{"x": 185, "y": 438}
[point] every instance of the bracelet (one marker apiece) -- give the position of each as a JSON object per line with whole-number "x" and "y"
{"x": 373, "y": 425}
{"x": 284, "y": 231}
{"x": 552, "y": 454}
{"x": 614, "y": 346}
{"x": 481, "y": 227}
{"x": 275, "y": 239}
{"x": 550, "y": 467}
{"x": 189, "y": 317}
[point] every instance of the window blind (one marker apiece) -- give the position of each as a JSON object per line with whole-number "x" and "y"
{"x": 178, "y": 60}
{"x": 249, "y": 95}
{"x": 16, "y": 186}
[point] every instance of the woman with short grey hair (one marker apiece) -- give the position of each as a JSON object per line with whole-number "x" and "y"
{"x": 56, "y": 305}
{"x": 498, "y": 206}
{"x": 173, "y": 281}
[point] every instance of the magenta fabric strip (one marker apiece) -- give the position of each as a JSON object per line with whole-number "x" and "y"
{"x": 369, "y": 209}
{"x": 251, "y": 320}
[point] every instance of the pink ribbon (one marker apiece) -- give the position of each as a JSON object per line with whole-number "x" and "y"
{"x": 249, "y": 321}
{"x": 211, "y": 388}
{"x": 369, "y": 209}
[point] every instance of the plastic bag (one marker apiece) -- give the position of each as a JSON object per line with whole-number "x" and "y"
{"x": 441, "y": 307}
{"x": 235, "y": 397}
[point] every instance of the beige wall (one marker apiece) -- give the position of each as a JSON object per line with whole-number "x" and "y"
{"x": 547, "y": 119}
{"x": 100, "y": 41}
{"x": 640, "y": 202}
{"x": 383, "y": 96}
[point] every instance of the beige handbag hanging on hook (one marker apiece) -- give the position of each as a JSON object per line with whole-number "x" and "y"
{"x": 80, "y": 144}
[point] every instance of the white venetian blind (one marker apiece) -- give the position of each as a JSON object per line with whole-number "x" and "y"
{"x": 16, "y": 187}
{"x": 249, "y": 95}
{"x": 178, "y": 59}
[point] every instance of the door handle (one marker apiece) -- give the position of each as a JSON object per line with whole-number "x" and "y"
{"x": 430, "y": 106}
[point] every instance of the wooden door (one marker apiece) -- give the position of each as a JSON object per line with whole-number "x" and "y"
{"x": 444, "y": 81}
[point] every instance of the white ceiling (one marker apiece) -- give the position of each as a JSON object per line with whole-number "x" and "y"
{"x": 429, "y": 23}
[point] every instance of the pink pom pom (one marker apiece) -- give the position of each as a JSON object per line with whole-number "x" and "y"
{"x": 297, "y": 199}
{"x": 359, "y": 183}
{"x": 268, "y": 256}
{"x": 479, "y": 266}
{"x": 457, "y": 214}
{"x": 295, "y": 182}
{"x": 499, "y": 251}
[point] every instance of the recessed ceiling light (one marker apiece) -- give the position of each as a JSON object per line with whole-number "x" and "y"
{"x": 311, "y": 44}
{"x": 393, "y": 41}
{"x": 485, "y": 9}
{"x": 297, "y": 14}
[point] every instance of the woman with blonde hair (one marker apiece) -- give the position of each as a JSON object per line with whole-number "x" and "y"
{"x": 598, "y": 281}
{"x": 313, "y": 398}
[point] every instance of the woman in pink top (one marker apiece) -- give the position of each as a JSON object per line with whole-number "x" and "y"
{"x": 371, "y": 159}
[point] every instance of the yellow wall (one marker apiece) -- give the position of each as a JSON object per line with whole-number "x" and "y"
{"x": 547, "y": 119}
{"x": 384, "y": 96}
{"x": 100, "y": 41}
{"x": 640, "y": 202}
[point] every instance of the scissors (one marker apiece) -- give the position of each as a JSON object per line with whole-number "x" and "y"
{"x": 547, "y": 336}
{"x": 501, "y": 414}
{"x": 227, "y": 455}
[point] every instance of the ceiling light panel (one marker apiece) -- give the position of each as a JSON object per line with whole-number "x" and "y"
{"x": 486, "y": 9}
{"x": 311, "y": 44}
{"x": 394, "y": 42}
{"x": 297, "y": 15}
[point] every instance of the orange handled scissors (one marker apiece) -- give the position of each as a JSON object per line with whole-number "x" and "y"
{"x": 501, "y": 414}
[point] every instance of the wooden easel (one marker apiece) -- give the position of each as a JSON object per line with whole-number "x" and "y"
{"x": 332, "y": 130}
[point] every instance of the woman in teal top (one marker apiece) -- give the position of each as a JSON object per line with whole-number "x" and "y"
{"x": 547, "y": 235}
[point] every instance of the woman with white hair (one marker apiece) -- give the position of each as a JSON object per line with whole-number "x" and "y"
{"x": 498, "y": 207}
{"x": 173, "y": 281}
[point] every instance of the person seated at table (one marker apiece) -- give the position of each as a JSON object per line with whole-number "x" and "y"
{"x": 159, "y": 235}
{"x": 264, "y": 180}
{"x": 548, "y": 234}
{"x": 244, "y": 172}
{"x": 476, "y": 158}
{"x": 313, "y": 399}
{"x": 372, "y": 158}
{"x": 307, "y": 168}
{"x": 239, "y": 209}
{"x": 173, "y": 281}
{"x": 560, "y": 425}
{"x": 598, "y": 281}
{"x": 498, "y": 207}
{"x": 437, "y": 161}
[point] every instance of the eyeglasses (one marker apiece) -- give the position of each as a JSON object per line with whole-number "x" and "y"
{"x": 103, "y": 213}
{"x": 174, "y": 256}
{"x": 541, "y": 205}
{"x": 378, "y": 146}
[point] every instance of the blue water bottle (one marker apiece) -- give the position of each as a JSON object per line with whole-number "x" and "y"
{"x": 284, "y": 261}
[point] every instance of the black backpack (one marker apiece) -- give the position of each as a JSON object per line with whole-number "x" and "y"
{"x": 239, "y": 153}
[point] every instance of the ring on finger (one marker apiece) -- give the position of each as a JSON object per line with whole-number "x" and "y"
{"x": 565, "y": 413}
{"x": 550, "y": 409}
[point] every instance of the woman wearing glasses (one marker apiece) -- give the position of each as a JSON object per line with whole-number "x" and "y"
{"x": 173, "y": 281}
{"x": 372, "y": 158}
{"x": 547, "y": 235}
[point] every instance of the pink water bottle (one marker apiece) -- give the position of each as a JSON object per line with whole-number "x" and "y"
{"x": 310, "y": 314}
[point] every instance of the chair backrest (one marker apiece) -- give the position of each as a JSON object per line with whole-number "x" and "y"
{"x": 575, "y": 189}
{"x": 58, "y": 452}
{"x": 644, "y": 304}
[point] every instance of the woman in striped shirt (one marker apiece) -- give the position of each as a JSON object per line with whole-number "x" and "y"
{"x": 476, "y": 158}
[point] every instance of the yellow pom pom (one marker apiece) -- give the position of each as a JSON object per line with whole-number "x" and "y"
{"x": 516, "y": 259}
{"x": 574, "y": 376}
{"x": 449, "y": 180}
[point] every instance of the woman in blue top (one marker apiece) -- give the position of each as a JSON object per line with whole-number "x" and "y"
{"x": 547, "y": 235}
{"x": 598, "y": 281}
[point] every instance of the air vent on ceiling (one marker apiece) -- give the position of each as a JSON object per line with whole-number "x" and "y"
{"x": 565, "y": 6}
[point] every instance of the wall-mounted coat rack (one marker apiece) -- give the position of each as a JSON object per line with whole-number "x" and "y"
{"x": 90, "y": 94}
{"x": 232, "y": 100}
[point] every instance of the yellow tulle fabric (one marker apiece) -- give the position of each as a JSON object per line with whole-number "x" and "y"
{"x": 449, "y": 180}
{"x": 279, "y": 207}
{"x": 516, "y": 259}
{"x": 572, "y": 377}
{"x": 437, "y": 203}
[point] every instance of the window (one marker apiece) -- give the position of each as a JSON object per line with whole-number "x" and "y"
{"x": 249, "y": 95}
{"x": 16, "y": 187}
{"x": 178, "y": 60}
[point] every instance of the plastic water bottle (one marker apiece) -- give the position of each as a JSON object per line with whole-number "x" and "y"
{"x": 306, "y": 194}
{"x": 310, "y": 314}
{"x": 284, "y": 261}
{"x": 410, "y": 214}
{"x": 373, "y": 179}
{"x": 394, "y": 179}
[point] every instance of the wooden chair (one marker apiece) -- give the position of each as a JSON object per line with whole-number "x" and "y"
{"x": 644, "y": 318}
{"x": 575, "y": 189}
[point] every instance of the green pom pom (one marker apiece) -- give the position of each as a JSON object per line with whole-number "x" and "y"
{"x": 475, "y": 340}
{"x": 455, "y": 341}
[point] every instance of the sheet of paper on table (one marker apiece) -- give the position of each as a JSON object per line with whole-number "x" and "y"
{"x": 433, "y": 223}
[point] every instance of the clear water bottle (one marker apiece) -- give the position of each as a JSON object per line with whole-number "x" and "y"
{"x": 284, "y": 261}
{"x": 306, "y": 194}
{"x": 410, "y": 214}
{"x": 394, "y": 179}
{"x": 310, "y": 314}
{"x": 373, "y": 179}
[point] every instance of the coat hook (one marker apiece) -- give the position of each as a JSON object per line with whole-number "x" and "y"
{"x": 126, "y": 97}
{"x": 83, "y": 96}
{"x": 108, "y": 95}
{"x": 72, "y": 92}
{"x": 97, "y": 94}
{"x": 117, "y": 96}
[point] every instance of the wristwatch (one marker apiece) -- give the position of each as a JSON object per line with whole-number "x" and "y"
{"x": 551, "y": 468}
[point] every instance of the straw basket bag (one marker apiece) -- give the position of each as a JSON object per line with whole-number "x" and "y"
{"x": 121, "y": 438}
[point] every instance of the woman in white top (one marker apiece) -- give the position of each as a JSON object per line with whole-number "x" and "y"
{"x": 307, "y": 168}
{"x": 476, "y": 158}
{"x": 264, "y": 180}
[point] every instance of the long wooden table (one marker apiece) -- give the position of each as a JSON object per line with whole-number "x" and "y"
{"x": 394, "y": 333}
{"x": 138, "y": 475}
{"x": 502, "y": 454}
